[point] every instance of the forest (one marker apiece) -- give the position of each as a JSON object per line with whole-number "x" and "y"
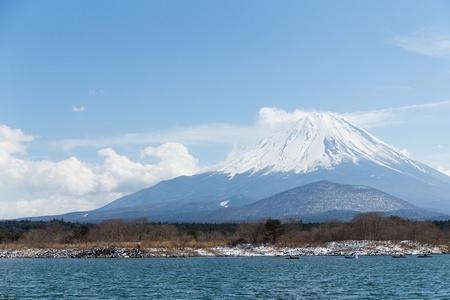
{"x": 286, "y": 232}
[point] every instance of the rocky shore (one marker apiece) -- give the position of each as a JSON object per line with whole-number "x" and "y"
{"x": 332, "y": 248}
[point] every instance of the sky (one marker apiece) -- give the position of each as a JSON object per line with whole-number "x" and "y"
{"x": 99, "y": 99}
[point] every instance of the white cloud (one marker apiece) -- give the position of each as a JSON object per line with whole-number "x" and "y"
{"x": 274, "y": 116}
{"x": 389, "y": 116}
{"x": 78, "y": 109}
{"x": 234, "y": 150}
{"x": 54, "y": 205}
{"x": 10, "y": 142}
{"x": 427, "y": 41}
{"x": 175, "y": 158}
{"x": 122, "y": 174}
{"x": 193, "y": 135}
{"x": 369, "y": 119}
{"x": 268, "y": 120}
{"x": 405, "y": 152}
{"x": 444, "y": 171}
{"x": 93, "y": 92}
{"x": 77, "y": 185}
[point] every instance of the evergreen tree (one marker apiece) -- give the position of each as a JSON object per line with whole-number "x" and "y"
{"x": 274, "y": 229}
{"x": 81, "y": 234}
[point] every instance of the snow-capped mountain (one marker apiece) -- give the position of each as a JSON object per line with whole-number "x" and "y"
{"x": 318, "y": 147}
{"x": 318, "y": 141}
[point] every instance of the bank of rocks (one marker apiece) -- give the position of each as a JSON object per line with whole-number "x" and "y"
{"x": 332, "y": 248}
{"x": 91, "y": 252}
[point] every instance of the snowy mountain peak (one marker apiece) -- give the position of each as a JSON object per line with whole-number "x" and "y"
{"x": 317, "y": 141}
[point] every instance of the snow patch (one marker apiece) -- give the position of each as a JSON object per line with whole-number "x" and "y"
{"x": 224, "y": 203}
{"x": 340, "y": 248}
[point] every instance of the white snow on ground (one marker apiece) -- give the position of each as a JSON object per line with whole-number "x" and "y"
{"x": 224, "y": 203}
{"x": 332, "y": 248}
{"x": 335, "y": 248}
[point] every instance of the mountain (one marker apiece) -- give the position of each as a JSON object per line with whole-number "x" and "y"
{"x": 322, "y": 200}
{"x": 318, "y": 147}
{"x": 319, "y": 141}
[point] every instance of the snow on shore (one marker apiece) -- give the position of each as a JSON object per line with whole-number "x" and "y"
{"x": 331, "y": 248}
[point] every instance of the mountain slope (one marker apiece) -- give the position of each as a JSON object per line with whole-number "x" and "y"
{"x": 320, "y": 201}
{"x": 318, "y": 147}
{"x": 315, "y": 202}
{"x": 319, "y": 141}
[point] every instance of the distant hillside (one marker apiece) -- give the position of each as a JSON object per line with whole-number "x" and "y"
{"x": 322, "y": 201}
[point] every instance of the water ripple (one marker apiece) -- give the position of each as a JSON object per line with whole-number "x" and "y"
{"x": 226, "y": 278}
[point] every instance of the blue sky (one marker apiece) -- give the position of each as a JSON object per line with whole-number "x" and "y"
{"x": 102, "y": 98}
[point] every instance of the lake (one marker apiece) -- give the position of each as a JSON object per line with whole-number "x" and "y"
{"x": 313, "y": 277}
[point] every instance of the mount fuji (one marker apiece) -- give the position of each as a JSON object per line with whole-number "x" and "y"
{"x": 319, "y": 147}
{"x": 316, "y": 142}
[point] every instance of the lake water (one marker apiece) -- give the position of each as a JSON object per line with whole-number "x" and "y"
{"x": 372, "y": 277}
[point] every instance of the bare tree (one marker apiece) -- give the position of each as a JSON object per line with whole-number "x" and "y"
{"x": 142, "y": 227}
{"x": 253, "y": 232}
{"x": 367, "y": 225}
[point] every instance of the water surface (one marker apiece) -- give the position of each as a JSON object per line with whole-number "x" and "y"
{"x": 372, "y": 277}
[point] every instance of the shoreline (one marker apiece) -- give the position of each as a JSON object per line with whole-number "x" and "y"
{"x": 341, "y": 248}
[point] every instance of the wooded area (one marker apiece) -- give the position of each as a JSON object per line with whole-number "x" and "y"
{"x": 288, "y": 232}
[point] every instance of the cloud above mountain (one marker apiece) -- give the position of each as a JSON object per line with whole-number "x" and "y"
{"x": 444, "y": 171}
{"x": 390, "y": 116}
{"x": 78, "y": 109}
{"x": 427, "y": 41}
{"x": 267, "y": 120}
{"x": 72, "y": 182}
{"x": 273, "y": 116}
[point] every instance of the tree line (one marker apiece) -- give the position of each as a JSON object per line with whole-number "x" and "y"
{"x": 287, "y": 232}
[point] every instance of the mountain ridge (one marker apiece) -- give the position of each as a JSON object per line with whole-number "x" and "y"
{"x": 318, "y": 147}
{"x": 314, "y": 202}
{"x": 341, "y": 201}
{"x": 314, "y": 142}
